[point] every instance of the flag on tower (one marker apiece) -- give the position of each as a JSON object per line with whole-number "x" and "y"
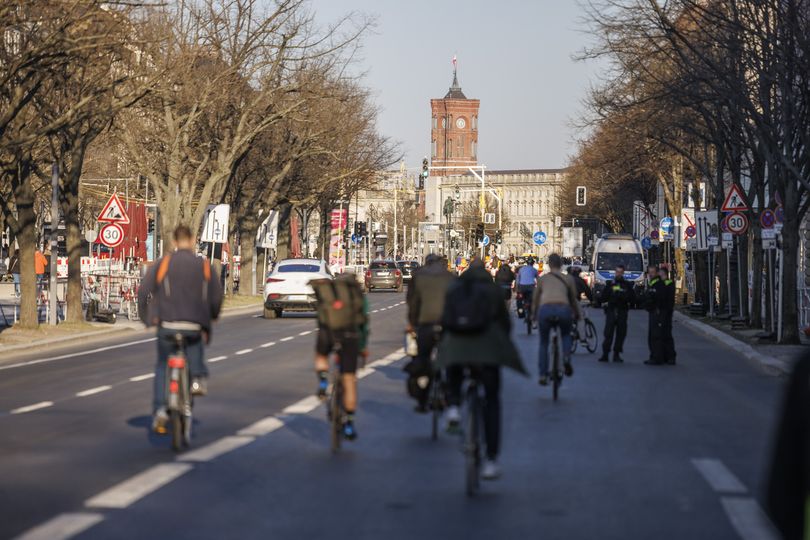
{"x": 454, "y": 61}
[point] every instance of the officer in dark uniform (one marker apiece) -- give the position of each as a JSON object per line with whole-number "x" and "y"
{"x": 654, "y": 304}
{"x": 617, "y": 296}
{"x": 668, "y": 305}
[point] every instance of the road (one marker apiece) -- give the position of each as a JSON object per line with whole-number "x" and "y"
{"x": 630, "y": 451}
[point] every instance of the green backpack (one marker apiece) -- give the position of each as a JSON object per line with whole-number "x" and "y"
{"x": 340, "y": 304}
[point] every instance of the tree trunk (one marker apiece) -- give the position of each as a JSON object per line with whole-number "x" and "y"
{"x": 284, "y": 212}
{"x": 26, "y": 237}
{"x": 247, "y": 250}
{"x": 70, "y": 210}
{"x": 790, "y": 262}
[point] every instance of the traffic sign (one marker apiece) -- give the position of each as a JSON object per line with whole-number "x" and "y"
{"x": 215, "y": 223}
{"x": 111, "y": 235}
{"x": 646, "y": 243}
{"x": 780, "y": 214}
{"x": 539, "y": 238}
{"x": 767, "y": 219}
{"x": 735, "y": 200}
{"x": 654, "y": 234}
{"x": 727, "y": 240}
{"x": 737, "y": 223}
{"x": 485, "y": 240}
{"x": 667, "y": 225}
{"x": 691, "y": 231}
{"x": 768, "y": 233}
{"x": 114, "y": 211}
{"x": 706, "y": 223}
{"x": 489, "y": 218}
{"x": 356, "y": 238}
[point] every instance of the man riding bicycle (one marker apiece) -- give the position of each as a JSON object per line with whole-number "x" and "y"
{"x": 180, "y": 294}
{"x": 556, "y": 304}
{"x": 425, "y": 306}
{"x": 343, "y": 329}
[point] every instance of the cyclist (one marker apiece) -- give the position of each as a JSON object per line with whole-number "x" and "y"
{"x": 525, "y": 282}
{"x": 555, "y": 298}
{"x": 476, "y": 336}
{"x": 425, "y": 300}
{"x": 342, "y": 328}
{"x": 504, "y": 278}
{"x": 179, "y": 295}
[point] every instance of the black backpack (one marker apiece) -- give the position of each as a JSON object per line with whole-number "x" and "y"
{"x": 340, "y": 304}
{"x": 468, "y": 307}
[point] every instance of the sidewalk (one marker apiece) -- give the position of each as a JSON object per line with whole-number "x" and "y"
{"x": 772, "y": 357}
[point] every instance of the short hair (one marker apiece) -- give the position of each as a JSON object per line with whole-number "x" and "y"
{"x": 574, "y": 270}
{"x": 554, "y": 260}
{"x": 620, "y": 266}
{"x": 182, "y": 232}
{"x": 665, "y": 270}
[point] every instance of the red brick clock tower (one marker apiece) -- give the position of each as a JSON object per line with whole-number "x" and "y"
{"x": 454, "y": 129}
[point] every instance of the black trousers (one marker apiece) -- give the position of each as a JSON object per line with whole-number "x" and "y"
{"x": 427, "y": 337}
{"x": 615, "y": 324}
{"x": 490, "y": 379}
{"x": 668, "y": 343}
{"x": 655, "y": 336}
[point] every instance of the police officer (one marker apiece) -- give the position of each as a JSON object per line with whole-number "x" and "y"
{"x": 653, "y": 303}
{"x": 617, "y": 296}
{"x": 668, "y": 308}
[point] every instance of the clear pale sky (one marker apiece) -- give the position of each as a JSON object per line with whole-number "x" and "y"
{"x": 515, "y": 56}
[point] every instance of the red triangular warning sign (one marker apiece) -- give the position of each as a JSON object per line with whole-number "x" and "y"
{"x": 735, "y": 200}
{"x": 114, "y": 211}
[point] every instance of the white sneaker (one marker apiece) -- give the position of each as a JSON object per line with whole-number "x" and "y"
{"x": 453, "y": 417}
{"x": 490, "y": 470}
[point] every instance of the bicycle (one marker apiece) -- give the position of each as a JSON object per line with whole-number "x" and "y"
{"x": 591, "y": 339}
{"x": 334, "y": 409}
{"x": 179, "y": 401}
{"x": 472, "y": 434}
{"x": 556, "y": 372}
{"x": 436, "y": 398}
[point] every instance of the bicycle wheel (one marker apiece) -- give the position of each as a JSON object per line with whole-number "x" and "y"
{"x": 528, "y": 324}
{"x": 176, "y": 418}
{"x": 574, "y": 338}
{"x": 472, "y": 450}
{"x": 555, "y": 367}
{"x": 435, "y": 406}
{"x": 591, "y": 337}
{"x": 335, "y": 413}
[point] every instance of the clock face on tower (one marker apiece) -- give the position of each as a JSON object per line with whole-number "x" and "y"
{"x": 460, "y": 123}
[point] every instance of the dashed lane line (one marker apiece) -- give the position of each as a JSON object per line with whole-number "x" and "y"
{"x": 133, "y": 489}
{"x": 304, "y": 406}
{"x": 217, "y": 448}
{"x": 34, "y": 407}
{"x": 268, "y": 344}
{"x": 748, "y": 518}
{"x": 243, "y": 351}
{"x": 73, "y": 355}
{"x": 93, "y": 391}
{"x": 719, "y": 477}
{"x": 216, "y": 359}
{"x": 288, "y": 338}
{"x": 143, "y": 377}
{"x": 262, "y": 427}
{"x": 305, "y": 333}
{"x": 63, "y": 526}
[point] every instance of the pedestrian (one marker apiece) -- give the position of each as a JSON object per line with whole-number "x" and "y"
{"x": 617, "y": 296}
{"x": 14, "y": 270}
{"x": 40, "y": 263}
{"x": 425, "y": 299}
{"x": 668, "y": 305}
{"x": 654, "y": 304}
{"x": 475, "y": 337}
{"x": 504, "y": 278}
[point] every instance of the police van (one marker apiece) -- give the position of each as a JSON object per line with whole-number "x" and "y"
{"x": 612, "y": 250}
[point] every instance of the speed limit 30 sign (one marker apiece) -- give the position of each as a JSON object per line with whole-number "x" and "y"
{"x": 737, "y": 223}
{"x": 111, "y": 235}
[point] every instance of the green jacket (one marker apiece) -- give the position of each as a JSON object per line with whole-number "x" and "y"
{"x": 492, "y": 346}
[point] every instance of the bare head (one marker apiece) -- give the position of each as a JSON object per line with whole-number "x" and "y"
{"x": 620, "y": 271}
{"x": 555, "y": 261}
{"x": 183, "y": 239}
{"x": 652, "y": 271}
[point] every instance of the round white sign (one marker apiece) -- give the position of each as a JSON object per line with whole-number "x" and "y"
{"x": 111, "y": 235}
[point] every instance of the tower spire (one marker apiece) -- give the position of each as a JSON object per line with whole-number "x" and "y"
{"x": 455, "y": 89}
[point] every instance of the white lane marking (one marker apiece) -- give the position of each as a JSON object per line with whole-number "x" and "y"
{"x": 34, "y": 407}
{"x": 288, "y": 338}
{"x": 375, "y": 311}
{"x": 262, "y": 427}
{"x": 308, "y": 332}
{"x": 718, "y": 476}
{"x": 391, "y": 358}
{"x": 243, "y": 351}
{"x": 217, "y": 359}
{"x": 63, "y": 526}
{"x": 73, "y": 355}
{"x": 216, "y": 448}
{"x": 91, "y": 391}
{"x": 303, "y": 406}
{"x": 142, "y": 377}
{"x": 748, "y": 518}
{"x": 365, "y": 372}
{"x": 259, "y": 316}
{"x": 268, "y": 344}
{"x": 142, "y": 484}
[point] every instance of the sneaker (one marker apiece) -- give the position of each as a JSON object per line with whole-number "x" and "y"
{"x": 568, "y": 368}
{"x": 453, "y": 416}
{"x": 159, "y": 422}
{"x": 617, "y": 358}
{"x": 421, "y": 408}
{"x": 603, "y": 358}
{"x": 199, "y": 386}
{"x": 349, "y": 433}
{"x": 490, "y": 470}
{"x": 323, "y": 386}
{"x": 543, "y": 380}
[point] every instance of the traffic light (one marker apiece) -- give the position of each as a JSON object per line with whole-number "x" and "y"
{"x": 479, "y": 232}
{"x": 498, "y": 237}
{"x": 581, "y": 195}
{"x": 356, "y": 229}
{"x": 150, "y": 226}
{"x": 425, "y": 173}
{"x": 361, "y": 228}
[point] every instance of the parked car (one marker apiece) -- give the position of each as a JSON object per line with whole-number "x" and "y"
{"x": 383, "y": 275}
{"x": 287, "y": 287}
{"x": 407, "y": 268}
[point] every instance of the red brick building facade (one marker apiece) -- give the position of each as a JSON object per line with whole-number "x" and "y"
{"x": 454, "y": 129}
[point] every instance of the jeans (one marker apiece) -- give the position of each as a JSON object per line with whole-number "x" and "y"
{"x": 166, "y": 346}
{"x": 490, "y": 379}
{"x": 566, "y": 319}
{"x": 16, "y": 284}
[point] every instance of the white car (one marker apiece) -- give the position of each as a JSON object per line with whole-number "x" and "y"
{"x": 287, "y": 287}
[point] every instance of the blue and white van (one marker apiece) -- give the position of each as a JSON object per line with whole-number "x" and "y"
{"x": 612, "y": 250}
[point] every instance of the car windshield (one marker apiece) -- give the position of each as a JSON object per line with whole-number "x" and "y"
{"x": 383, "y": 266}
{"x": 298, "y": 267}
{"x": 632, "y": 262}
{"x": 404, "y": 265}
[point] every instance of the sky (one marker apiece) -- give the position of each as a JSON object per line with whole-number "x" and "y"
{"x": 515, "y": 56}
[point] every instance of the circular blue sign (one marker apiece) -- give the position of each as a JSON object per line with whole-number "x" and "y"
{"x": 646, "y": 243}
{"x": 539, "y": 238}
{"x": 356, "y": 238}
{"x": 485, "y": 241}
{"x": 667, "y": 225}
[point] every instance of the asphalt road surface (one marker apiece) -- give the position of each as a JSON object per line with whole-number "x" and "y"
{"x": 629, "y": 451}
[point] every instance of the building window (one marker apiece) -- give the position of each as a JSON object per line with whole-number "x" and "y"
{"x": 433, "y": 147}
{"x": 450, "y": 148}
{"x": 461, "y": 146}
{"x": 435, "y": 122}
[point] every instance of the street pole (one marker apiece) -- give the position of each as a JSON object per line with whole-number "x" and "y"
{"x": 52, "y": 300}
{"x": 395, "y": 223}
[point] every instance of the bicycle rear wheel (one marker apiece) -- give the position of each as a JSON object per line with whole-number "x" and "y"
{"x": 556, "y": 376}
{"x": 591, "y": 337}
{"x": 336, "y": 413}
{"x": 178, "y": 430}
{"x": 574, "y": 338}
{"x": 528, "y": 324}
{"x": 435, "y": 405}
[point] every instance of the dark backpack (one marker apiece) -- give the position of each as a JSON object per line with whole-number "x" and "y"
{"x": 468, "y": 308}
{"x": 340, "y": 304}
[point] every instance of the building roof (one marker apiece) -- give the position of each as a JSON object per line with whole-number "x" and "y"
{"x": 455, "y": 89}
{"x": 524, "y": 171}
